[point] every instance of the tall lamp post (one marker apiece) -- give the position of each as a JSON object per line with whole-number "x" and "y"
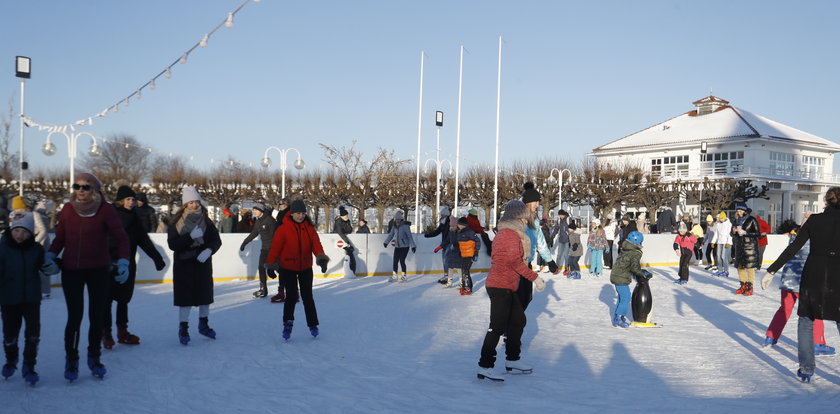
{"x": 299, "y": 164}
{"x": 438, "y": 163}
{"x": 551, "y": 180}
{"x": 23, "y": 70}
{"x": 72, "y": 140}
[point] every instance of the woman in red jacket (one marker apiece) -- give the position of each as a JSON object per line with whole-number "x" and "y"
{"x": 84, "y": 226}
{"x": 294, "y": 244}
{"x": 511, "y": 251}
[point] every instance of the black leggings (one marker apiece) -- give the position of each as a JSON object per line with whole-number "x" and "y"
{"x": 400, "y": 253}
{"x": 506, "y": 317}
{"x": 73, "y": 283}
{"x": 122, "y": 294}
{"x": 13, "y": 316}
{"x": 292, "y": 280}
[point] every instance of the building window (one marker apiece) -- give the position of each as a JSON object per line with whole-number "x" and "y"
{"x": 781, "y": 164}
{"x": 812, "y": 167}
{"x": 672, "y": 166}
{"x": 721, "y": 163}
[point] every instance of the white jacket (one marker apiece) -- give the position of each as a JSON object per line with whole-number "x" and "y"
{"x": 723, "y": 232}
{"x": 609, "y": 231}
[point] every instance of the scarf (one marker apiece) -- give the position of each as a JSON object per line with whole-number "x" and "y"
{"x": 86, "y": 209}
{"x": 519, "y": 228}
{"x": 188, "y": 222}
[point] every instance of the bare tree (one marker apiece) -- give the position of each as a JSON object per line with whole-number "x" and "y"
{"x": 8, "y": 163}
{"x": 653, "y": 193}
{"x": 122, "y": 157}
{"x": 169, "y": 177}
{"x": 604, "y": 187}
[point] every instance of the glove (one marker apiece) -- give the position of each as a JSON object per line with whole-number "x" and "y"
{"x": 159, "y": 264}
{"x": 439, "y": 248}
{"x": 196, "y": 233}
{"x": 204, "y": 255}
{"x": 607, "y": 251}
{"x": 553, "y": 268}
{"x": 713, "y": 245}
{"x": 271, "y": 269}
{"x": 574, "y": 246}
{"x": 122, "y": 271}
{"x": 414, "y": 250}
{"x": 242, "y": 247}
{"x": 50, "y": 257}
{"x": 475, "y": 258}
{"x": 385, "y": 245}
{"x": 647, "y": 275}
{"x": 539, "y": 284}
{"x": 766, "y": 280}
{"x": 727, "y": 245}
{"x": 322, "y": 260}
{"x": 50, "y": 268}
{"x": 348, "y": 249}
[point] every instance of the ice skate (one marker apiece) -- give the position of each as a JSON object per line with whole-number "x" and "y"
{"x": 287, "y": 329}
{"x": 518, "y": 367}
{"x": 96, "y": 368}
{"x": 205, "y": 329}
{"x": 489, "y": 373}
{"x": 183, "y": 333}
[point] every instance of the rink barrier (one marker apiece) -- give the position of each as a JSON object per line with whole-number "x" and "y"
{"x": 229, "y": 264}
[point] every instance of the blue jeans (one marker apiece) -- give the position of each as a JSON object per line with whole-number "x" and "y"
{"x": 596, "y": 261}
{"x": 624, "y": 300}
{"x": 805, "y": 339}
{"x": 722, "y": 257}
{"x": 445, "y": 257}
{"x": 562, "y": 254}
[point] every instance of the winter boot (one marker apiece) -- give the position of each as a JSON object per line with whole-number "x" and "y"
{"x": 825, "y": 350}
{"x": 741, "y": 289}
{"x": 518, "y": 367}
{"x": 29, "y": 374}
{"x": 619, "y": 321}
{"x": 107, "y": 338}
{"x": 71, "y": 369}
{"x": 9, "y": 368}
{"x": 566, "y": 272}
{"x": 394, "y": 277}
{"x": 314, "y": 331}
{"x": 443, "y": 280}
{"x": 749, "y": 290}
{"x": 184, "y": 333}
{"x": 489, "y": 373}
{"x": 126, "y": 337}
{"x": 96, "y": 368}
{"x": 448, "y": 282}
{"x": 261, "y": 292}
{"x": 768, "y": 341}
{"x": 803, "y": 377}
{"x": 205, "y": 329}
{"x": 403, "y": 277}
{"x": 280, "y": 297}
{"x": 287, "y": 329}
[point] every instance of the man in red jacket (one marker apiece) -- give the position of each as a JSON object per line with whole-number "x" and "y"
{"x": 294, "y": 244}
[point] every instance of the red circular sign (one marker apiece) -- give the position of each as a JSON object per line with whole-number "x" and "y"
{"x": 339, "y": 243}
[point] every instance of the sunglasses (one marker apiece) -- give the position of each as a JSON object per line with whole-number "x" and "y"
{"x": 85, "y": 187}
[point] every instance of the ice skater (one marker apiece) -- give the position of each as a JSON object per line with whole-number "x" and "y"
{"x": 626, "y": 267}
{"x": 684, "y": 248}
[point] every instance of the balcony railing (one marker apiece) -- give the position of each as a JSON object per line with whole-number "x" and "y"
{"x": 746, "y": 171}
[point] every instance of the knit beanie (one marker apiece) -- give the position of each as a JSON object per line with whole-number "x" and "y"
{"x": 18, "y": 203}
{"x": 463, "y": 221}
{"x": 298, "y": 206}
{"x": 682, "y": 226}
{"x": 562, "y": 213}
{"x": 91, "y": 179}
{"x": 722, "y": 215}
{"x": 514, "y": 210}
{"x": 473, "y": 212}
{"x": 398, "y": 215}
{"x": 444, "y": 211}
{"x": 742, "y": 207}
{"x": 530, "y": 194}
{"x": 24, "y": 220}
{"x": 190, "y": 194}
{"x": 260, "y": 207}
{"x": 709, "y": 218}
{"x": 124, "y": 192}
{"x": 342, "y": 211}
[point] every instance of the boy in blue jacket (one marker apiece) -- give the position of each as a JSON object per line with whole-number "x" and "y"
{"x": 20, "y": 294}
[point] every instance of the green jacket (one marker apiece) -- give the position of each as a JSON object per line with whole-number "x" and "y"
{"x": 19, "y": 265}
{"x": 627, "y": 265}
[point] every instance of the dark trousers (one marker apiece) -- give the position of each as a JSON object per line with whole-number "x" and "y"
{"x": 13, "y": 317}
{"x": 466, "y": 279}
{"x": 507, "y": 316}
{"x": 122, "y": 294}
{"x": 698, "y": 249}
{"x": 710, "y": 255}
{"x": 525, "y": 292}
{"x": 292, "y": 280}
{"x": 400, "y": 253}
{"x": 573, "y": 265}
{"x": 73, "y": 283}
{"x": 608, "y": 255}
{"x": 685, "y": 258}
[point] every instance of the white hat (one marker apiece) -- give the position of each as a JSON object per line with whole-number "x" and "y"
{"x": 190, "y": 194}
{"x": 25, "y": 220}
{"x": 596, "y": 221}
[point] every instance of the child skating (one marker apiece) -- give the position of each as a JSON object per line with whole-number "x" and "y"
{"x": 684, "y": 248}
{"x": 626, "y": 267}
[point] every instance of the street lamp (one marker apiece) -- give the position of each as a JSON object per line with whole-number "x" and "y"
{"x": 72, "y": 140}
{"x": 449, "y": 174}
{"x": 23, "y": 70}
{"x": 437, "y": 161}
{"x": 299, "y": 164}
{"x": 551, "y": 180}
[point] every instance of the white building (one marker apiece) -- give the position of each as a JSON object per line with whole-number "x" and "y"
{"x": 717, "y": 140}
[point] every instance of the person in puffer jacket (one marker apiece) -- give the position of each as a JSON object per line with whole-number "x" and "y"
{"x": 789, "y": 289}
{"x": 627, "y": 266}
{"x": 401, "y": 234}
{"x": 443, "y": 230}
{"x": 465, "y": 245}
{"x": 684, "y": 248}
{"x": 509, "y": 264}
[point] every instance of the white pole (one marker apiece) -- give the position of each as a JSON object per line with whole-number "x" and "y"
{"x": 71, "y": 150}
{"x": 498, "y": 103}
{"x": 283, "y": 174}
{"x": 419, "y": 131}
{"x": 458, "y": 134}
{"x": 437, "y": 177}
{"x": 20, "y": 165}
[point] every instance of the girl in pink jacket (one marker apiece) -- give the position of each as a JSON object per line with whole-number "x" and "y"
{"x": 684, "y": 248}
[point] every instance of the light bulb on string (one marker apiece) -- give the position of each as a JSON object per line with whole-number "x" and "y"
{"x": 229, "y": 21}
{"x": 168, "y": 73}
{"x": 203, "y": 42}
{"x": 138, "y": 95}
{"x": 117, "y": 108}
{"x": 152, "y": 84}
{"x": 183, "y": 59}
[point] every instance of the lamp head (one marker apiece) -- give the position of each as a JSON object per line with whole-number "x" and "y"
{"x": 299, "y": 164}
{"x": 266, "y": 162}
{"x": 48, "y": 148}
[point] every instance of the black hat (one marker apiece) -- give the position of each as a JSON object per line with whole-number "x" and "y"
{"x": 562, "y": 213}
{"x": 125, "y": 192}
{"x": 530, "y": 194}
{"x": 297, "y": 207}
{"x": 463, "y": 221}
{"x": 342, "y": 211}
{"x": 572, "y": 226}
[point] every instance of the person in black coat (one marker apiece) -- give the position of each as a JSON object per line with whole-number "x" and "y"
{"x": 193, "y": 239}
{"x": 627, "y": 226}
{"x": 264, "y": 227}
{"x": 343, "y": 227}
{"x": 666, "y": 222}
{"x": 745, "y": 236}
{"x": 146, "y": 213}
{"x": 443, "y": 230}
{"x": 122, "y": 292}
{"x": 820, "y": 284}
{"x": 363, "y": 227}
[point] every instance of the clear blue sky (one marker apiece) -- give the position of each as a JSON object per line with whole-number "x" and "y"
{"x": 575, "y": 75}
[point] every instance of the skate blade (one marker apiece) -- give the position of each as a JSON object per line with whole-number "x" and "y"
{"x": 645, "y": 325}
{"x": 481, "y": 377}
{"x": 514, "y": 371}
